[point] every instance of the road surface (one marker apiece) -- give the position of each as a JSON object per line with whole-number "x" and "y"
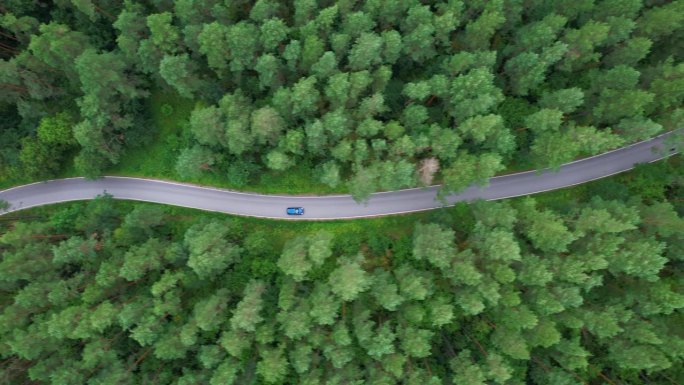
{"x": 333, "y": 206}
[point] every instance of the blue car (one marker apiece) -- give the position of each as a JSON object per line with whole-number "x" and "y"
{"x": 295, "y": 211}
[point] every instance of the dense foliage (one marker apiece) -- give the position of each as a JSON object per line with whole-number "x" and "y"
{"x": 566, "y": 292}
{"x": 377, "y": 94}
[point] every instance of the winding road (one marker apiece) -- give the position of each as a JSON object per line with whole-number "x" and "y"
{"x": 334, "y": 206}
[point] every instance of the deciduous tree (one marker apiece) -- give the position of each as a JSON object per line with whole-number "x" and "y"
{"x": 56, "y": 130}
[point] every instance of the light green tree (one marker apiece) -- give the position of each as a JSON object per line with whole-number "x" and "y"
{"x": 433, "y": 243}
{"x": 193, "y": 161}
{"x": 180, "y": 73}
{"x": 209, "y": 251}
{"x": 246, "y": 315}
{"x": 273, "y": 365}
{"x": 348, "y": 280}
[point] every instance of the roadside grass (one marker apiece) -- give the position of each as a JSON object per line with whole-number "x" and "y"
{"x": 158, "y": 158}
{"x": 68, "y": 171}
{"x": 561, "y": 199}
{"x": 298, "y": 180}
{"x": 7, "y": 182}
{"x": 280, "y": 231}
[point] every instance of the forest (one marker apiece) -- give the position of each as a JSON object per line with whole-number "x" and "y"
{"x": 580, "y": 286}
{"x": 357, "y": 96}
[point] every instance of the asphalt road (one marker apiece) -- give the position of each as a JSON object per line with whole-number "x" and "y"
{"x": 332, "y": 206}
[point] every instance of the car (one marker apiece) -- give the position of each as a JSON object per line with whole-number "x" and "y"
{"x": 295, "y": 211}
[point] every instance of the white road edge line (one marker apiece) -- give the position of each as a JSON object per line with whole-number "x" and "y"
{"x": 336, "y": 218}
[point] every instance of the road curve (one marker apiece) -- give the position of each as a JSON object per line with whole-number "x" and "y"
{"x": 333, "y": 206}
